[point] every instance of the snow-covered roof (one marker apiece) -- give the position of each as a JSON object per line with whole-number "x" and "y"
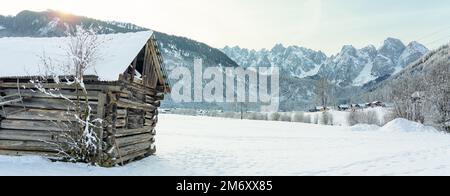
{"x": 21, "y": 56}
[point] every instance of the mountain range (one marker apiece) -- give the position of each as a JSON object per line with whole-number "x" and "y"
{"x": 351, "y": 71}
{"x": 350, "y": 67}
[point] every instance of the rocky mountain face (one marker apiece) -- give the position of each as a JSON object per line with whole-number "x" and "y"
{"x": 350, "y": 67}
{"x": 430, "y": 63}
{"x": 293, "y": 60}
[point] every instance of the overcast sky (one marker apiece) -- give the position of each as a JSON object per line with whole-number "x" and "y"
{"x": 318, "y": 24}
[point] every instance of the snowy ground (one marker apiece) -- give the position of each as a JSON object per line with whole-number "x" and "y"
{"x": 213, "y": 146}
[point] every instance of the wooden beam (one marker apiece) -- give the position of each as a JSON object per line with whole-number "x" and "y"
{"x": 51, "y": 104}
{"x": 145, "y": 75}
{"x": 31, "y": 125}
{"x": 100, "y": 115}
{"x": 39, "y": 114}
{"x": 131, "y": 157}
{"x": 54, "y": 85}
{"x": 51, "y": 155}
{"x": 26, "y": 146}
{"x": 132, "y": 149}
{"x": 124, "y": 103}
{"x": 28, "y": 93}
{"x": 125, "y": 132}
{"x": 22, "y": 135}
{"x": 135, "y": 139}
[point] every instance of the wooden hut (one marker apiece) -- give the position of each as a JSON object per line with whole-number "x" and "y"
{"x": 125, "y": 88}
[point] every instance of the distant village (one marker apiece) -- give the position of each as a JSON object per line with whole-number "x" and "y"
{"x": 342, "y": 108}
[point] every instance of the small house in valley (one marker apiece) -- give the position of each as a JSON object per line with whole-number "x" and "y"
{"x": 124, "y": 90}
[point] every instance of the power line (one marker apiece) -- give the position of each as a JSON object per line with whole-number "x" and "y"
{"x": 434, "y": 33}
{"x": 442, "y": 38}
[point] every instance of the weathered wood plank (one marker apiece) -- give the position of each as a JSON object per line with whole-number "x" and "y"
{"x": 51, "y": 104}
{"x": 149, "y": 116}
{"x": 121, "y": 122}
{"x": 126, "y": 85}
{"x": 27, "y": 135}
{"x": 125, "y": 132}
{"x": 136, "y": 120}
{"x": 124, "y": 103}
{"x": 131, "y": 149}
{"x": 26, "y": 146}
{"x": 51, "y": 155}
{"x": 92, "y": 95}
{"x": 101, "y": 112}
{"x": 39, "y": 114}
{"x": 135, "y": 139}
{"x": 89, "y": 87}
{"x": 149, "y": 122}
{"x": 31, "y": 125}
{"x": 149, "y": 99}
{"x": 131, "y": 157}
{"x": 122, "y": 113}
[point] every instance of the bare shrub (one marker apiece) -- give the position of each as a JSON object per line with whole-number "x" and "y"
{"x": 228, "y": 115}
{"x": 371, "y": 118}
{"x": 260, "y": 116}
{"x": 316, "y": 119}
{"x": 275, "y": 116}
{"x": 354, "y": 118}
{"x": 79, "y": 141}
{"x": 250, "y": 116}
{"x": 307, "y": 119}
{"x": 362, "y": 117}
{"x": 388, "y": 117}
{"x": 298, "y": 117}
{"x": 285, "y": 117}
{"x": 327, "y": 118}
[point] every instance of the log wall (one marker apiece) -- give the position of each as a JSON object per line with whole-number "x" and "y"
{"x": 128, "y": 133}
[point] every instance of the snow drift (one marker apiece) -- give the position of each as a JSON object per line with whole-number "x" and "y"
{"x": 403, "y": 125}
{"x": 399, "y": 125}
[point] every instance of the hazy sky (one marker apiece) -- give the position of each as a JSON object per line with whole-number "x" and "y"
{"x": 318, "y": 24}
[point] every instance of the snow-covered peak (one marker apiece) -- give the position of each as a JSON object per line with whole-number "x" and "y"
{"x": 293, "y": 60}
{"x": 358, "y": 67}
{"x": 349, "y": 49}
{"x": 392, "y": 48}
{"x": 412, "y": 52}
{"x": 351, "y": 66}
{"x": 370, "y": 51}
{"x": 393, "y": 43}
{"x": 416, "y": 46}
{"x": 278, "y": 48}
